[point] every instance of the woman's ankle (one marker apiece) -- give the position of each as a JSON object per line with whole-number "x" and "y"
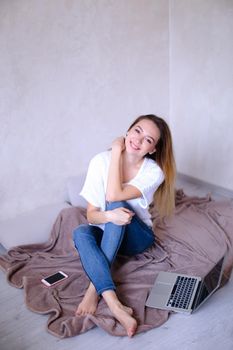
{"x": 110, "y": 297}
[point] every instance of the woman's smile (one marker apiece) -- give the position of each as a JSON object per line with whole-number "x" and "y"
{"x": 134, "y": 146}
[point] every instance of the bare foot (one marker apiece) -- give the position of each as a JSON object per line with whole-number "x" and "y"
{"x": 129, "y": 310}
{"x": 124, "y": 315}
{"x": 89, "y": 303}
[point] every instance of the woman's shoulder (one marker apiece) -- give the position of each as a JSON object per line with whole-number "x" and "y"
{"x": 152, "y": 168}
{"x": 152, "y": 164}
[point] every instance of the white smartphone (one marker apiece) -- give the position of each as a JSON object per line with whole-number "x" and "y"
{"x": 54, "y": 279}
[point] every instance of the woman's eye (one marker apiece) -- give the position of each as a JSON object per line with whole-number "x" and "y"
{"x": 137, "y": 130}
{"x": 149, "y": 141}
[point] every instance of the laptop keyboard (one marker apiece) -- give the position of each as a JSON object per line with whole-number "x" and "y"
{"x": 182, "y": 292}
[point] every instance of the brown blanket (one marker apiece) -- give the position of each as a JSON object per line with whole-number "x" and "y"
{"x": 190, "y": 242}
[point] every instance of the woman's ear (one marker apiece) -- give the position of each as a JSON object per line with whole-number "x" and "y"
{"x": 152, "y": 151}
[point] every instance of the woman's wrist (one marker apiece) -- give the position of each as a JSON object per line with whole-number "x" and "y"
{"x": 108, "y": 215}
{"x": 99, "y": 217}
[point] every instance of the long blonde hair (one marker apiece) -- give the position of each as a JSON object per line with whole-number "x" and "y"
{"x": 164, "y": 197}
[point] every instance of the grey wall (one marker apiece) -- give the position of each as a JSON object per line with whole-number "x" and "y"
{"x": 74, "y": 74}
{"x": 201, "y": 88}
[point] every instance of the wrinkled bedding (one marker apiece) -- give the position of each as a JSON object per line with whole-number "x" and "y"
{"x": 191, "y": 241}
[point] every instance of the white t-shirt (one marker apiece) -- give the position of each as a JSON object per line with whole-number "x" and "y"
{"x": 147, "y": 180}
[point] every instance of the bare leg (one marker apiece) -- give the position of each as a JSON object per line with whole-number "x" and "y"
{"x": 121, "y": 312}
{"x": 89, "y": 303}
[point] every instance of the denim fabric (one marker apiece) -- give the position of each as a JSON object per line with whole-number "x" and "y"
{"x": 98, "y": 248}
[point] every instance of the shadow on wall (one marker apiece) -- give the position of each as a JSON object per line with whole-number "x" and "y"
{"x": 74, "y": 186}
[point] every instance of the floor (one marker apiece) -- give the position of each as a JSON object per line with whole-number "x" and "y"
{"x": 210, "y": 328}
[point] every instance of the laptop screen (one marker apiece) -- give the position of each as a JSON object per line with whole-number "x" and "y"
{"x": 209, "y": 283}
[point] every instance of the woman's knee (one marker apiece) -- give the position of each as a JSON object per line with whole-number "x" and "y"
{"x": 117, "y": 204}
{"x": 80, "y": 231}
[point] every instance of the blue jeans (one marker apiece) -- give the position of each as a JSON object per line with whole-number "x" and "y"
{"x": 98, "y": 248}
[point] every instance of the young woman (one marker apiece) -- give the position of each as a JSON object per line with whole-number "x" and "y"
{"x": 119, "y": 186}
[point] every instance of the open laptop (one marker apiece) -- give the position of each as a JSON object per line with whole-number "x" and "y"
{"x": 184, "y": 293}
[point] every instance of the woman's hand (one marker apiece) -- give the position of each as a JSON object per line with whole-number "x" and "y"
{"x": 119, "y": 144}
{"x": 121, "y": 216}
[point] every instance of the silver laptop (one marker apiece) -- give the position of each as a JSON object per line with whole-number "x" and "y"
{"x": 184, "y": 293}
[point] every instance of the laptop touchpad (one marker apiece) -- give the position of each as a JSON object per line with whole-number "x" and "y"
{"x": 162, "y": 288}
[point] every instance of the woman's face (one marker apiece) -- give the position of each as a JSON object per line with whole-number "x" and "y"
{"x": 142, "y": 138}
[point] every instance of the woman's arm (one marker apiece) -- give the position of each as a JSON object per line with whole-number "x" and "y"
{"x": 118, "y": 216}
{"x": 116, "y": 191}
{"x": 114, "y": 184}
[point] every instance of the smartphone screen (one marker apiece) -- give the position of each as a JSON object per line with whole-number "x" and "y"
{"x": 52, "y": 279}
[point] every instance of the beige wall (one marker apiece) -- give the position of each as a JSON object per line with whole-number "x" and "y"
{"x": 73, "y": 76}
